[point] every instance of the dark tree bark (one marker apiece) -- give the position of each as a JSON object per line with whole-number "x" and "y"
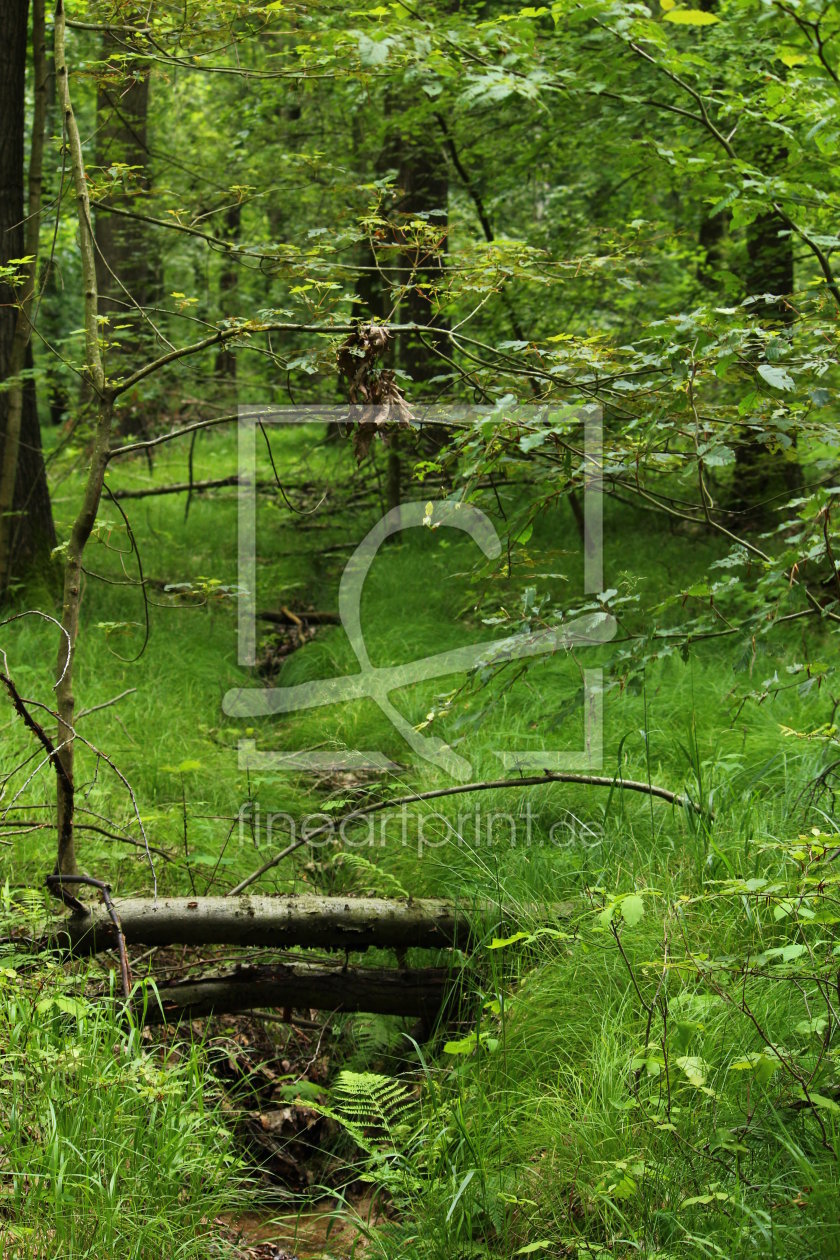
{"x": 126, "y": 274}
{"x": 225, "y": 366}
{"x": 59, "y": 386}
{"x": 424, "y": 187}
{"x": 32, "y": 535}
{"x": 710, "y": 239}
{"x": 763, "y": 478}
{"x": 409, "y": 992}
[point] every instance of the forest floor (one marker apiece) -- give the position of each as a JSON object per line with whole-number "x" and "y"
{"x": 570, "y": 1111}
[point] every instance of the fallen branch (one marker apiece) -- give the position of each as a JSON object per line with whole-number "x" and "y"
{"x": 418, "y": 993}
{"x": 530, "y": 780}
{"x": 179, "y": 487}
{"x": 32, "y": 824}
{"x": 349, "y": 923}
{"x": 285, "y": 617}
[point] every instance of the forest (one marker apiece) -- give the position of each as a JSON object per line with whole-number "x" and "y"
{"x": 419, "y": 589}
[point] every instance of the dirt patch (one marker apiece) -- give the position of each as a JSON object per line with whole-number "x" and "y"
{"x": 325, "y": 1230}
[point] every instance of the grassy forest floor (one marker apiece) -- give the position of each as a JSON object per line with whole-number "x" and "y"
{"x": 570, "y": 1110}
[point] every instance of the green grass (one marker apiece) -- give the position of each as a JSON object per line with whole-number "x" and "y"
{"x": 108, "y": 1147}
{"x": 570, "y": 1136}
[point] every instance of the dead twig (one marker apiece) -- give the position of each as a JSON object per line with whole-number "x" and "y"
{"x": 56, "y": 883}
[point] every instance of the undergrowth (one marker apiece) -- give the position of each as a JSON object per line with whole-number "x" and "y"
{"x": 651, "y": 1073}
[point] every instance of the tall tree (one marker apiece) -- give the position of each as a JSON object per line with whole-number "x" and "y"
{"x": 125, "y": 268}
{"x": 762, "y": 477}
{"x": 26, "y": 526}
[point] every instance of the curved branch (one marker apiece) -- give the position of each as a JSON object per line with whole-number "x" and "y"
{"x": 484, "y": 785}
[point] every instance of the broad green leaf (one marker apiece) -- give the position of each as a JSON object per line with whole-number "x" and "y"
{"x": 690, "y": 17}
{"x": 530, "y": 441}
{"x": 466, "y": 1045}
{"x": 821, "y": 1101}
{"x": 762, "y": 1065}
{"x": 605, "y": 918}
{"x": 632, "y": 910}
{"x": 502, "y": 942}
{"x": 694, "y": 1068}
{"x": 790, "y": 57}
{"x": 812, "y": 1027}
{"x": 775, "y": 376}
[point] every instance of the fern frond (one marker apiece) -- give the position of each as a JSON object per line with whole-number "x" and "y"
{"x": 359, "y": 874}
{"x": 371, "y": 1101}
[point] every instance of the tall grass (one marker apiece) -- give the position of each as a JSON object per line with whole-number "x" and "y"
{"x": 564, "y": 1138}
{"x": 109, "y": 1147}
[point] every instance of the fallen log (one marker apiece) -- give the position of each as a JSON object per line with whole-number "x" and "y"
{"x": 179, "y": 487}
{"x": 347, "y": 923}
{"x": 419, "y": 993}
{"x": 286, "y": 617}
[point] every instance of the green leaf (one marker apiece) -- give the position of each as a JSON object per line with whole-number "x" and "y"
{"x": 632, "y": 910}
{"x": 530, "y": 441}
{"x": 821, "y": 1101}
{"x": 531, "y": 1248}
{"x": 605, "y": 918}
{"x": 762, "y": 1065}
{"x": 502, "y": 942}
{"x": 694, "y": 1068}
{"x": 465, "y": 1045}
{"x": 775, "y": 376}
{"x": 185, "y": 767}
{"x": 373, "y": 52}
{"x": 690, "y": 17}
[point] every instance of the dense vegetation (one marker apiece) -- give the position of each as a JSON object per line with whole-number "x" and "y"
{"x": 551, "y": 264}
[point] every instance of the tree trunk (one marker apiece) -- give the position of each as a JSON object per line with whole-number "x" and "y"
{"x": 763, "y": 479}
{"x": 126, "y": 277}
{"x": 26, "y": 526}
{"x": 384, "y": 992}
{"x": 425, "y": 188}
{"x": 710, "y": 239}
{"x": 352, "y": 923}
{"x": 86, "y": 516}
{"x": 225, "y": 367}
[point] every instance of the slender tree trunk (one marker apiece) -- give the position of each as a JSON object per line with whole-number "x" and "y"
{"x": 51, "y": 301}
{"x": 26, "y": 527}
{"x": 710, "y": 239}
{"x": 86, "y": 518}
{"x": 125, "y": 269}
{"x": 425, "y": 190}
{"x": 225, "y": 367}
{"x": 764, "y": 478}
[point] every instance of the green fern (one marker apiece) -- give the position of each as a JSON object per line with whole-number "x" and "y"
{"x": 377, "y": 1113}
{"x": 374, "y": 1036}
{"x": 355, "y": 873}
{"x": 376, "y": 1105}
